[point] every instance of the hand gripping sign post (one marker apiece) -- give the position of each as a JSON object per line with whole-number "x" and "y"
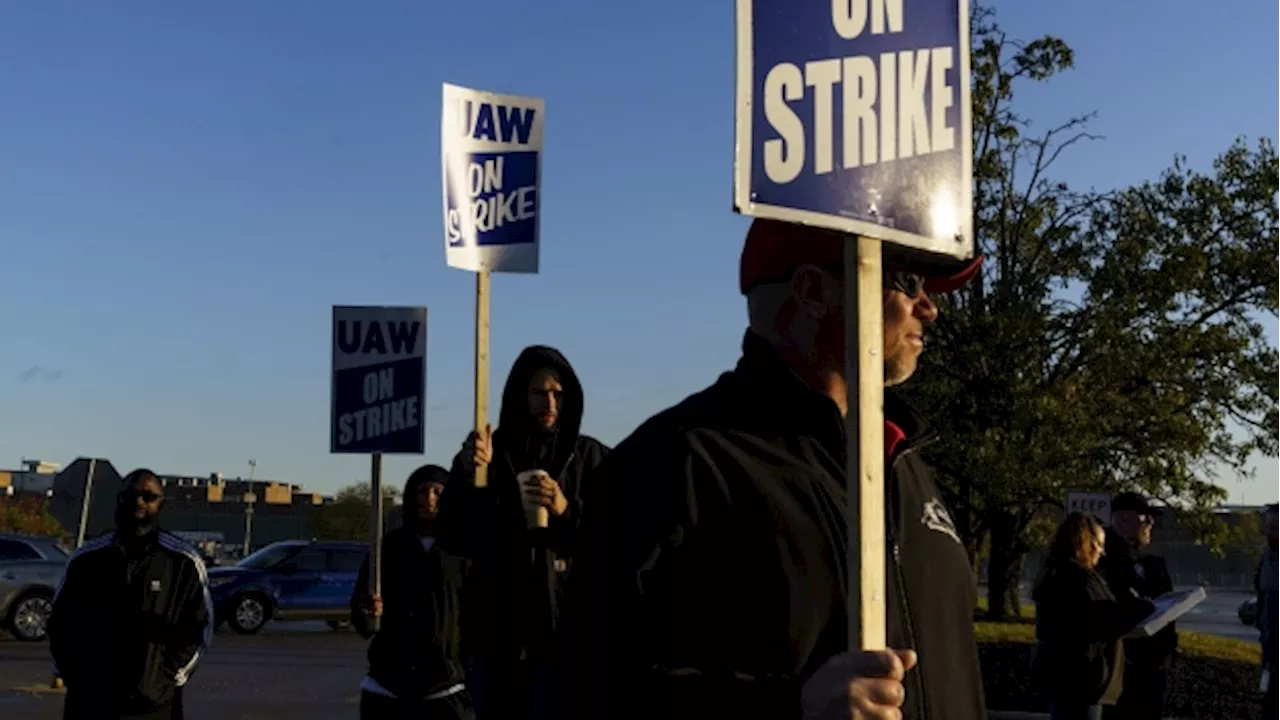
{"x": 853, "y": 115}
{"x": 378, "y": 396}
{"x": 491, "y": 159}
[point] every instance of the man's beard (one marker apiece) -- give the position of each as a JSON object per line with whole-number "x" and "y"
{"x": 128, "y": 525}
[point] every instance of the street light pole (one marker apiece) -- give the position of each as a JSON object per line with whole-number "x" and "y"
{"x": 84, "y": 501}
{"x": 249, "y": 499}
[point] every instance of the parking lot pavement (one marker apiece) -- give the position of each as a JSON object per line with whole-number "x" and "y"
{"x": 290, "y": 671}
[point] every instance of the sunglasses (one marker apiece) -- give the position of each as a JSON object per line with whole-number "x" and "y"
{"x": 908, "y": 283}
{"x": 146, "y": 496}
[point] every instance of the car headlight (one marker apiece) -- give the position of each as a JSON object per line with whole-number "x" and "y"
{"x": 219, "y": 581}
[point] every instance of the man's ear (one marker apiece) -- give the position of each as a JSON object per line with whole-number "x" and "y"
{"x": 815, "y": 292}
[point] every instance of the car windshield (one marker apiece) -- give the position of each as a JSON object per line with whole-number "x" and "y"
{"x": 55, "y": 551}
{"x": 270, "y": 556}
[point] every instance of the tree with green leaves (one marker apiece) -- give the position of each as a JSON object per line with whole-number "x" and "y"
{"x": 28, "y": 515}
{"x": 347, "y": 517}
{"x": 1115, "y": 339}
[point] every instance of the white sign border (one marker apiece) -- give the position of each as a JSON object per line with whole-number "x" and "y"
{"x": 743, "y": 203}
{"x": 520, "y": 259}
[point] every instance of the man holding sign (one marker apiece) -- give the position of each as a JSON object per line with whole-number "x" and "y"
{"x": 711, "y": 567}
{"x": 518, "y": 531}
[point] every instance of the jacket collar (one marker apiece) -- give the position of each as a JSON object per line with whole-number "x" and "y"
{"x": 781, "y": 393}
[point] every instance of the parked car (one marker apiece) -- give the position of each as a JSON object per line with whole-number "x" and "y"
{"x": 1248, "y": 611}
{"x": 289, "y": 580}
{"x": 30, "y": 568}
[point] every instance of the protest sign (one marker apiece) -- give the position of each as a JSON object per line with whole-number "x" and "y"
{"x": 491, "y": 160}
{"x": 854, "y": 115}
{"x": 377, "y": 398}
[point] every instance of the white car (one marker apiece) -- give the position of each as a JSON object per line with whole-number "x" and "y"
{"x": 30, "y": 568}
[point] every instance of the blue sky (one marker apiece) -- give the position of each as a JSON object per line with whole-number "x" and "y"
{"x": 187, "y": 188}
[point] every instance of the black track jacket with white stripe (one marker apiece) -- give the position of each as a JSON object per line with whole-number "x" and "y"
{"x": 127, "y": 630}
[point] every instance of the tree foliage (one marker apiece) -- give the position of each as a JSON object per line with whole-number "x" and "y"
{"x": 28, "y": 515}
{"x": 348, "y": 516}
{"x": 1114, "y": 341}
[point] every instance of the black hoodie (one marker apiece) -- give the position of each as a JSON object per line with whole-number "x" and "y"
{"x": 513, "y": 586}
{"x": 416, "y": 651}
{"x": 722, "y": 587}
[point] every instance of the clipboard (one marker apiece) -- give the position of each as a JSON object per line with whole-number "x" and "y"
{"x": 1169, "y": 607}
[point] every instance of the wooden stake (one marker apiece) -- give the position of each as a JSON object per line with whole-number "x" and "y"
{"x": 482, "y": 364}
{"x": 375, "y": 533}
{"x": 864, "y": 425}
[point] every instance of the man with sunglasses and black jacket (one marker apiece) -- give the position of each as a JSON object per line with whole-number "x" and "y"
{"x": 711, "y": 566}
{"x": 132, "y": 615}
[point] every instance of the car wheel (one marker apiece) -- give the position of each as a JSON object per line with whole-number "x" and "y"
{"x": 249, "y": 612}
{"x": 29, "y": 618}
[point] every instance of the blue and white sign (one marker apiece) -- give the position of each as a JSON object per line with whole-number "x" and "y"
{"x": 491, "y": 154}
{"x": 854, "y": 115}
{"x": 379, "y": 390}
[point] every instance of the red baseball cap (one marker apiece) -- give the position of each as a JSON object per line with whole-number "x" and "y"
{"x": 774, "y": 249}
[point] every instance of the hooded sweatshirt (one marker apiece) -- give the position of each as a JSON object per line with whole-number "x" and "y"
{"x": 512, "y": 592}
{"x": 416, "y": 652}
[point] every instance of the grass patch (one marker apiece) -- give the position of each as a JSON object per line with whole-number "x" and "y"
{"x": 1214, "y": 677}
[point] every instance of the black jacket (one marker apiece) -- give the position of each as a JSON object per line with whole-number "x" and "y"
{"x": 1127, "y": 572}
{"x": 711, "y": 573}
{"x": 126, "y": 632}
{"x": 416, "y": 650}
{"x": 1079, "y": 623}
{"x": 512, "y": 592}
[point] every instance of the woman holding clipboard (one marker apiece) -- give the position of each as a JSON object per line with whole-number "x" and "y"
{"x": 1080, "y": 659}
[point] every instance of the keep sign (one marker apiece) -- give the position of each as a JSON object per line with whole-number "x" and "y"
{"x": 854, "y": 115}
{"x": 379, "y": 379}
{"x": 1090, "y": 503}
{"x": 491, "y": 157}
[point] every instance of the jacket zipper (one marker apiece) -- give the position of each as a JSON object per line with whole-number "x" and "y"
{"x": 908, "y": 624}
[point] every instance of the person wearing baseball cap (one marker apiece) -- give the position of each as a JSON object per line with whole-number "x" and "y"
{"x": 1132, "y": 570}
{"x": 711, "y": 577}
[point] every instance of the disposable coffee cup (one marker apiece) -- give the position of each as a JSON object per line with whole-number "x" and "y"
{"x": 535, "y": 515}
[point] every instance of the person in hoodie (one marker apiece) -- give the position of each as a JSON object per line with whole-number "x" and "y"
{"x": 132, "y": 615}
{"x": 415, "y": 666}
{"x": 512, "y": 594}
{"x": 710, "y": 579}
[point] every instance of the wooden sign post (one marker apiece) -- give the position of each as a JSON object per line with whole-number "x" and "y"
{"x": 482, "y": 365}
{"x": 864, "y": 426}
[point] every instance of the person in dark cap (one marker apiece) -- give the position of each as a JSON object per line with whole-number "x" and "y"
{"x": 132, "y": 615}
{"x": 711, "y": 568}
{"x": 415, "y": 666}
{"x": 1132, "y": 570}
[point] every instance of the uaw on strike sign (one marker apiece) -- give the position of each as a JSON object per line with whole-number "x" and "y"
{"x": 491, "y": 157}
{"x": 379, "y": 379}
{"x": 854, "y": 115}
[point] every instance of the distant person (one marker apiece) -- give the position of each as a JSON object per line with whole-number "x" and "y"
{"x": 519, "y": 533}
{"x": 415, "y": 664}
{"x": 132, "y": 615}
{"x": 1265, "y": 582}
{"x": 1079, "y": 661}
{"x": 711, "y": 578}
{"x": 1130, "y": 570}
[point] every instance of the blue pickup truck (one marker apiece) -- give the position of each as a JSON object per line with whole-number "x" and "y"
{"x": 290, "y": 580}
